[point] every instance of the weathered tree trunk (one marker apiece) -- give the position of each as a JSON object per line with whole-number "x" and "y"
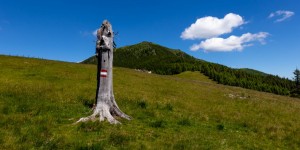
{"x": 106, "y": 106}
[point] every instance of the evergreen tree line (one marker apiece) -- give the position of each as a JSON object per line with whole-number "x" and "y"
{"x": 219, "y": 73}
{"x": 241, "y": 78}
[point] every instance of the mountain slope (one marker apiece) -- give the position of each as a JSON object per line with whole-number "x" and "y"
{"x": 165, "y": 61}
{"x": 150, "y": 56}
{"x": 145, "y": 51}
{"x": 40, "y": 100}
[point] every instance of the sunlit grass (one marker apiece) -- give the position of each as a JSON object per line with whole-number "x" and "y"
{"x": 40, "y": 100}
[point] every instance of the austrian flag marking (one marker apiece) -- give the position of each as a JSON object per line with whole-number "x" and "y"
{"x": 103, "y": 73}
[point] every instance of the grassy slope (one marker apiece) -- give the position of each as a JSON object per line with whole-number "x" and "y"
{"x": 39, "y": 101}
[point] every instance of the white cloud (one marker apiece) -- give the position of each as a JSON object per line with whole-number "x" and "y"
{"x": 88, "y": 33}
{"x": 231, "y": 43}
{"x": 281, "y": 15}
{"x": 95, "y": 33}
{"x": 208, "y": 27}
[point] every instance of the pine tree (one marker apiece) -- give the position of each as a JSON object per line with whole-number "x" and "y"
{"x": 297, "y": 77}
{"x": 296, "y": 92}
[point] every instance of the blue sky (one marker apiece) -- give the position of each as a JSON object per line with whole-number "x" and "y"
{"x": 262, "y": 35}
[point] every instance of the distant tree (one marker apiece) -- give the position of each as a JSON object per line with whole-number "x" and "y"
{"x": 297, "y": 77}
{"x": 296, "y": 91}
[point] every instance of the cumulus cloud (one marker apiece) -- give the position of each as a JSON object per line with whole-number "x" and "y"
{"x": 231, "y": 43}
{"x": 281, "y": 15}
{"x": 211, "y": 28}
{"x": 208, "y": 27}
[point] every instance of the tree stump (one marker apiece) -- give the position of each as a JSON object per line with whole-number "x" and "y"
{"x": 106, "y": 106}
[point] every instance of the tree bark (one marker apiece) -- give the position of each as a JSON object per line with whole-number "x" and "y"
{"x": 106, "y": 106}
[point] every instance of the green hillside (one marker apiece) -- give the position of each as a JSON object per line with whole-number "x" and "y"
{"x": 150, "y": 56}
{"x": 166, "y": 61}
{"x": 41, "y": 99}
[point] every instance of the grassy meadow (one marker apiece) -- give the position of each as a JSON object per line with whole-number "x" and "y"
{"x": 41, "y": 99}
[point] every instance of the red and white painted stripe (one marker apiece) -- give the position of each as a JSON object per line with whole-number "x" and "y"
{"x": 103, "y": 73}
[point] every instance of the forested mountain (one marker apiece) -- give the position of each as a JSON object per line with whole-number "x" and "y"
{"x": 150, "y": 56}
{"x": 165, "y": 61}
